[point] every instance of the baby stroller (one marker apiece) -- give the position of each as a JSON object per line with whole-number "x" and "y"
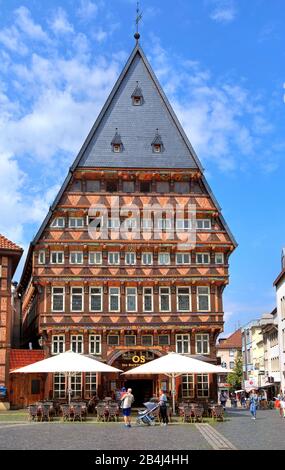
{"x": 147, "y": 416}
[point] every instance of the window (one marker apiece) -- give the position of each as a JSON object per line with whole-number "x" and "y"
{"x": 76, "y": 222}
{"x": 42, "y": 257}
{"x": 96, "y": 299}
{"x": 147, "y": 258}
{"x": 130, "y": 340}
{"x": 113, "y": 257}
{"x": 75, "y": 186}
{"x": 76, "y": 257}
{"x": 58, "y": 344}
{"x": 203, "y": 294}
{"x": 76, "y": 299}
{"x": 156, "y": 148}
{"x": 137, "y": 101}
{"x": 57, "y": 301}
{"x": 114, "y": 299}
{"x": 112, "y": 186}
{"x": 202, "y": 258}
{"x": 188, "y": 386}
{"x": 146, "y": 224}
{"x": 58, "y": 222}
{"x": 232, "y": 352}
{"x": 183, "y": 224}
{"x": 202, "y": 344}
{"x": 203, "y": 224}
{"x": 232, "y": 365}
{"x": 183, "y": 299}
{"x": 163, "y": 258}
{"x": 130, "y": 258}
{"x": 77, "y": 343}
{"x": 76, "y": 385}
{"x": 147, "y": 340}
{"x": 131, "y": 299}
{"x": 93, "y": 186}
{"x": 202, "y": 385}
{"x": 163, "y": 340}
{"x": 183, "y": 258}
{"x": 147, "y": 299}
{"x": 116, "y": 148}
{"x": 57, "y": 257}
{"x": 95, "y": 257}
{"x": 224, "y": 364}
{"x": 90, "y": 384}
{"x": 113, "y": 340}
{"x": 145, "y": 187}
{"x": 128, "y": 186}
{"x": 182, "y": 188}
{"x": 219, "y": 258}
{"x": 35, "y": 387}
{"x": 162, "y": 187}
{"x": 59, "y": 385}
{"x": 164, "y": 299}
{"x": 183, "y": 344}
{"x": 95, "y": 344}
{"x": 113, "y": 224}
{"x": 164, "y": 224}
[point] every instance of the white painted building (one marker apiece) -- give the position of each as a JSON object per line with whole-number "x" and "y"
{"x": 280, "y": 294}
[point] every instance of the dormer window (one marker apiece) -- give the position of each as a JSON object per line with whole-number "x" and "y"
{"x": 117, "y": 144}
{"x": 157, "y": 144}
{"x": 137, "y": 96}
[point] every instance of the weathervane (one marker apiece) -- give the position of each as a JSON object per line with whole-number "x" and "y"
{"x": 138, "y": 18}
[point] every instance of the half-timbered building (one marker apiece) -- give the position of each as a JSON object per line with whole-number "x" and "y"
{"x": 130, "y": 297}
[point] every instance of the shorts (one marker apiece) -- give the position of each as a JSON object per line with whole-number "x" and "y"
{"x": 127, "y": 411}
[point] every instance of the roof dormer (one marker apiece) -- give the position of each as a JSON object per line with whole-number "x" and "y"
{"x": 137, "y": 96}
{"x": 157, "y": 144}
{"x": 117, "y": 144}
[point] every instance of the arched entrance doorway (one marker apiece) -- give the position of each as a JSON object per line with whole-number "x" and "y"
{"x": 144, "y": 387}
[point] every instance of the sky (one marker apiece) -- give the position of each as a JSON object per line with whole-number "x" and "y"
{"x": 221, "y": 64}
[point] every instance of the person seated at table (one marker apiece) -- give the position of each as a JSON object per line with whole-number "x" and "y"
{"x": 92, "y": 404}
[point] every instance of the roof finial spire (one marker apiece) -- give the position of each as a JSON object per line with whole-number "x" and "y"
{"x": 138, "y": 18}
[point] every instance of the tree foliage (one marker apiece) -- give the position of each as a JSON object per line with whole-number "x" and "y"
{"x": 236, "y": 376}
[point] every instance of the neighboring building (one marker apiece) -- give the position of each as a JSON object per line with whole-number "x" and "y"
{"x": 269, "y": 372}
{"x": 10, "y": 255}
{"x": 252, "y": 352}
{"x": 129, "y": 300}
{"x": 279, "y": 284}
{"x": 227, "y": 351}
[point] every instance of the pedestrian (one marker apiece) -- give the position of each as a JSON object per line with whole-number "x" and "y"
{"x": 223, "y": 399}
{"x": 282, "y": 405}
{"x": 126, "y": 405}
{"x": 163, "y": 408}
{"x": 253, "y": 400}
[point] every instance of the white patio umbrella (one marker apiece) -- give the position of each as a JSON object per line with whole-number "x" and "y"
{"x": 68, "y": 363}
{"x": 173, "y": 365}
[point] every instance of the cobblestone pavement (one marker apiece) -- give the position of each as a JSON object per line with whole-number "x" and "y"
{"x": 267, "y": 432}
{"x": 237, "y": 432}
{"x": 109, "y": 436}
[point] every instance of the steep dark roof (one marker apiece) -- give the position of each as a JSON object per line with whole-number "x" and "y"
{"x": 116, "y": 139}
{"x": 136, "y": 124}
{"x": 157, "y": 139}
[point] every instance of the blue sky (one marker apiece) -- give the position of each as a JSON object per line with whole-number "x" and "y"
{"x": 221, "y": 63}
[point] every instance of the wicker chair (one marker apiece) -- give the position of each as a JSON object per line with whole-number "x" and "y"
{"x": 66, "y": 412}
{"x": 34, "y": 413}
{"x": 46, "y": 413}
{"x": 198, "y": 412}
{"x": 113, "y": 412}
{"x": 218, "y": 413}
{"x": 101, "y": 412}
{"x": 77, "y": 412}
{"x": 188, "y": 414}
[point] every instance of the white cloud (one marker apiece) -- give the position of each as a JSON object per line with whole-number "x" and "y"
{"x": 223, "y": 11}
{"x": 11, "y": 39}
{"x": 222, "y": 119}
{"x": 26, "y": 24}
{"x": 87, "y": 9}
{"x": 60, "y": 23}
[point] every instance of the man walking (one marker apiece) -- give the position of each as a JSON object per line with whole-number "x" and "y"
{"x": 126, "y": 404}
